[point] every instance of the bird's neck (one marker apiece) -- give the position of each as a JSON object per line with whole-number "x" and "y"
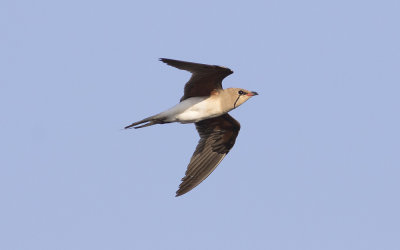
{"x": 226, "y": 101}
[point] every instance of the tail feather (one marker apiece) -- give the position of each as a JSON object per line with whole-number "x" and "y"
{"x": 146, "y": 125}
{"x": 152, "y": 120}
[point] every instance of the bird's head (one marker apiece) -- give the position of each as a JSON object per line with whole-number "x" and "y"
{"x": 234, "y": 97}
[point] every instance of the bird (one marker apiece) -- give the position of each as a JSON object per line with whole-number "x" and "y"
{"x": 206, "y": 104}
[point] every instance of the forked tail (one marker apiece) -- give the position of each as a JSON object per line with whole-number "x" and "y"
{"x": 152, "y": 120}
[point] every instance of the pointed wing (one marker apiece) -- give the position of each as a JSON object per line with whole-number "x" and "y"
{"x": 217, "y": 137}
{"x": 205, "y": 78}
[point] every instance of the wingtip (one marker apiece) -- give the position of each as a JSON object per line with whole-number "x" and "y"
{"x": 166, "y": 60}
{"x": 179, "y": 193}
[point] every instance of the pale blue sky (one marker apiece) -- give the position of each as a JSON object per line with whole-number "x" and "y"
{"x": 316, "y": 164}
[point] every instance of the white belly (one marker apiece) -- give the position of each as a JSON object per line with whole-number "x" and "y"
{"x": 193, "y": 110}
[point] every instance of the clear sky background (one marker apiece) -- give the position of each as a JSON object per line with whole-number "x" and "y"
{"x": 316, "y": 164}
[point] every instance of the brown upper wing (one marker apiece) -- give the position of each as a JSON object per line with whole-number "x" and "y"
{"x": 205, "y": 78}
{"x": 217, "y": 137}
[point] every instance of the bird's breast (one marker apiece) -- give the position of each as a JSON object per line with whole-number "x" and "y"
{"x": 197, "y": 110}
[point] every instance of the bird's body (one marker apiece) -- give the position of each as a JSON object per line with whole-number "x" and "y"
{"x": 206, "y": 104}
{"x": 193, "y": 110}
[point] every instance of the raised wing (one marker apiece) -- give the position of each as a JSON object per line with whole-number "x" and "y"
{"x": 217, "y": 137}
{"x": 205, "y": 78}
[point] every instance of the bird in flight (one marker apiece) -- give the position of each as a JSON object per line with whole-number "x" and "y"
{"x": 205, "y": 104}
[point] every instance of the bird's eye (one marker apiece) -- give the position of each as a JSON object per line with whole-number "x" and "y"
{"x": 240, "y": 92}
